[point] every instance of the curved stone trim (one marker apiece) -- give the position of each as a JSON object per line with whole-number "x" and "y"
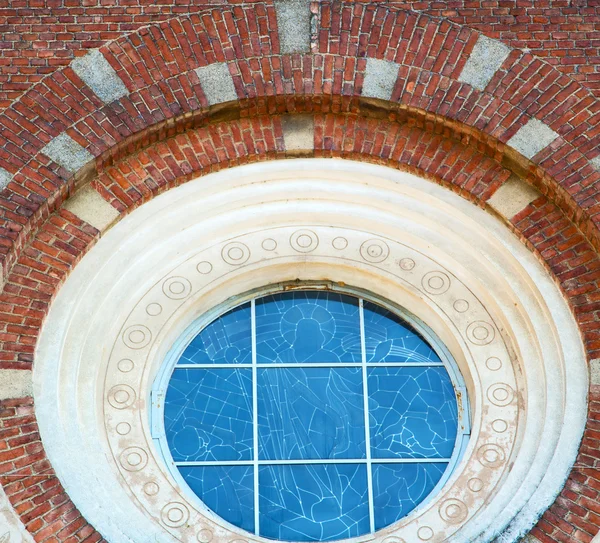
{"x": 485, "y": 340}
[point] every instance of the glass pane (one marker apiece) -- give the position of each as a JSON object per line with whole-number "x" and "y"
{"x": 310, "y": 413}
{"x": 227, "y": 340}
{"x": 318, "y": 502}
{"x": 307, "y": 327}
{"x": 412, "y": 412}
{"x": 226, "y": 490}
{"x": 399, "y": 488}
{"x": 208, "y": 414}
{"x": 389, "y": 339}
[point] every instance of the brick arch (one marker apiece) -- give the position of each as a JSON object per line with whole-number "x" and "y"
{"x": 165, "y": 128}
{"x": 158, "y": 88}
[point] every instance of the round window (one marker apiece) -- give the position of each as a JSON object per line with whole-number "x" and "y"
{"x": 312, "y": 416}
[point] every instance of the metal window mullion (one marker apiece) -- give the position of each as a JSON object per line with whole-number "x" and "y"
{"x": 312, "y": 365}
{"x": 254, "y": 413}
{"x": 313, "y": 461}
{"x": 363, "y": 351}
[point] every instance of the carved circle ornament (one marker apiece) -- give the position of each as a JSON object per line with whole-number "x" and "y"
{"x": 401, "y": 242}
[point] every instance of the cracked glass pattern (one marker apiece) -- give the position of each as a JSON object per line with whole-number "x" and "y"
{"x": 307, "y": 327}
{"x": 310, "y": 413}
{"x": 208, "y": 414}
{"x": 390, "y": 339}
{"x": 412, "y": 411}
{"x": 399, "y": 488}
{"x": 226, "y": 490}
{"x": 313, "y": 502}
{"x": 280, "y": 444}
{"x": 227, "y": 340}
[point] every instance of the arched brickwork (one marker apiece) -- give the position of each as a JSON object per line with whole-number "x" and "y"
{"x": 163, "y": 132}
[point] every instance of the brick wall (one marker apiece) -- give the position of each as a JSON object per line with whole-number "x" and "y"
{"x": 30, "y": 483}
{"x": 39, "y": 36}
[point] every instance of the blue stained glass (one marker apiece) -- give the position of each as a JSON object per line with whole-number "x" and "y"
{"x": 208, "y": 414}
{"x": 310, "y": 413}
{"x": 389, "y": 339}
{"x": 307, "y": 327}
{"x": 313, "y": 502}
{"x": 227, "y": 490}
{"x": 226, "y": 340}
{"x": 399, "y": 488}
{"x": 412, "y": 411}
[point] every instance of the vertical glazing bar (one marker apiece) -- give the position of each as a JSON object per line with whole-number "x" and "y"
{"x": 254, "y": 413}
{"x": 363, "y": 350}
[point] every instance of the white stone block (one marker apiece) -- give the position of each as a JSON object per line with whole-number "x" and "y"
{"x": 512, "y": 197}
{"x": 5, "y": 178}
{"x": 595, "y": 371}
{"x": 90, "y": 207}
{"x": 380, "y": 78}
{"x": 532, "y": 138}
{"x": 15, "y": 384}
{"x": 217, "y": 83}
{"x": 66, "y": 152}
{"x": 293, "y": 22}
{"x": 95, "y": 71}
{"x": 298, "y": 132}
{"x": 485, "y": 60}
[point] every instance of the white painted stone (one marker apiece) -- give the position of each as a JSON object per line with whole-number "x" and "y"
{"x": 532, "y": 137}
{"x": 66, "y": 152}
{"x": 5, "y": 178}
{"x": 380, "y": 78}
{"x": 293, "y": 24}
{"x": 90, "y": 207}
{"x": 15, "y": 384}
{"x": 11, "y": 527}
{"x": 176, "y": 252}
{"x": 512, "y": 197}
{"x": 96, "y": 72}
{"x": 596, "y": 162}
{"x": 485, "y": 60}
{"x": 298, "y": 132}
{"x": 217, "y": 83}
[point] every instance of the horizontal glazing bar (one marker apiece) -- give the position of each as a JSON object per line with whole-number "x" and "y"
{"x": 313, "y": 365}
{"x": 317, "y": 461}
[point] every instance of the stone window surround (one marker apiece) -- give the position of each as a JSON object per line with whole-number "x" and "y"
{"x": 389, "y": 232}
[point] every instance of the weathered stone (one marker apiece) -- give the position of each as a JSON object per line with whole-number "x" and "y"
{"x": 532, "y": 138}
{"x": 5, "y": 178}
{"x": 596, "y": 162}
{"x": 100, "y": 76}
{"x": 15, "y": 384}
{"x": 512, "y": 197}
{"x": 595, "y": 371}
{"x": 293, "y": 22}
{"x": 66, "y": 152}
{"x": 90, "y": 207}
{"x": 217, "y": 83}
{"x": 485, "y": 60}
{"x": 380, "y": 78}
{"x": 298, "y": 132}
